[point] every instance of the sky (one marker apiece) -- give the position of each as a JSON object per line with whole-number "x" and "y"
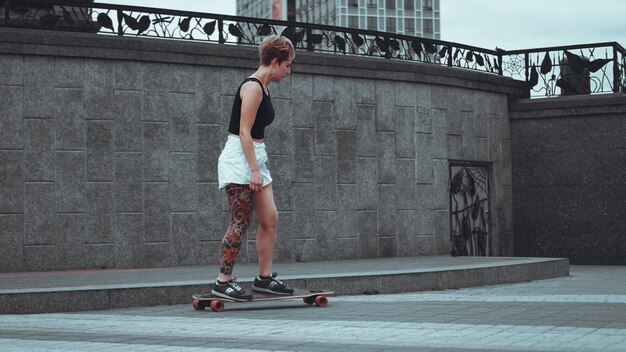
{"x": 507, "y": 24}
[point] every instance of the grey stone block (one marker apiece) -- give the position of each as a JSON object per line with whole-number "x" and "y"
{"x": 129, "y": 243}
{"x": 405, "y": 190}
{"x": 99, "y": 89}
{"x": 12, "y": 122}
{"x": 211, "y": 141}
{"x": 425, "y": 245}
{"x": 385, "y": 105}
{"x": 386, "y": 145}
{"x": 182, "y": 123}
{"x": 39, "y": 87}
{"x": 184, "y": 239}
{"x": 41, "y": 257}
{"x": 346, "y": 156}
{"x": 128, "y": 121}
{"x": 366, "y": 131}
{"x": 406, "y": 233}
{"x": 482, "y": 149}
{"x": 482, "y": 124}
{"x": 325, "y": 183}
{"x": 387, "y": 247}
{"x": 325, "y": 232}
{"x": 156, "y": 141}
{"x": 346, "y": 213}
{"x": 442, "y": 232}
{"x": 181, "y": 79}
{"x": 345, "y": 107}
{"x": 305, "y": 250}
{"x": 156, "y": 105}
{"x": 70, "y": 233}
{"x": 100, "y": 154}
{"x": 323, "y": 113}
{"x": 423, "y": 119}
{"x": 158, "y": 255}
{"x": 454, "y": 120}
{"x": 303, "y": 156}
{"x": 505, "y": 159}
{"x": 425, "y": 222}
{"x": 455, "y": 147}
{"x": 441, "y": 197}
{"x": 209, "y": 253}
{"x": 283, "y": 196}
{"x": 347, "y": 248}
{"x": 304, "y": 211}
{"x": 128, "y": 182}
{"x": 387, "y": 213}
{"x": 183, "y": 182}
{"x": 439, "y": 142}
{"x": 226, "y": 105}
{"x": 281, "y": 168}
{"x": 129, "y": 75}
{"x": 39, "y": 150}
{"x": 231, "y": 79}
{"x": 405, "y": 94}
{"x": 70, "y": 119}
{"x": 367, "y": 183}
{"x": 423, "y": 158}
{"x": 99, "y": 215}
{"x": 210, "y": 227}
{"x": 284, "y": 250}
{"x": 368, "y": 234}
{"x": 469, "y": 142}
{"x": 11, "y": 70}
{"x": 100, "y": 255}
{"x": 156, "y": 212}
{"x": 280, "y": 133}
{"x": 405, "y": 132}
{"x": 365, "y": 91}
{"x": 69, "y": 72}
{"x": 208, "y": 95}
{"x": 323, "y": 88}
{"x": 302, "y": 105}
{"x": 12, "y": 243}
{"x": 70, "y": 182}
{"x": 39, "y": 213}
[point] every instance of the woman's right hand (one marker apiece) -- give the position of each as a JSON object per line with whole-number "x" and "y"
{"x": 256, "y": 181}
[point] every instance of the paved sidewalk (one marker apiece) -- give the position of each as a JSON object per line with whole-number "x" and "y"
{"x": 585, "y": 311}
{"x": 45, "y": 292}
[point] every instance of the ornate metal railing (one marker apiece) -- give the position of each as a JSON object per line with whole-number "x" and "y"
{"x": 568, "y": 70}
{"x": 548, "y": 71}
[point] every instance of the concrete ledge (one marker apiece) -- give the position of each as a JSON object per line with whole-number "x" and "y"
{"x": 24, "y": 293}
{"x": 578, "y": 105}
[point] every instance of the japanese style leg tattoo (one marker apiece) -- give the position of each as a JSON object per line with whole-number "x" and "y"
{"x": 240, "y": 203}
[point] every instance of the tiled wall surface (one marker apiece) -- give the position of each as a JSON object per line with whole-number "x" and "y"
{"x": 113, "y": 163}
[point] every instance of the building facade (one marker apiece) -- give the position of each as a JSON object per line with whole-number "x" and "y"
{"x": 410, "y": 17}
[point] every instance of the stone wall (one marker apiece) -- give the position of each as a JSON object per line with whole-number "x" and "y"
{"x": 109, "y": 146}
{"x": 569, "y": 162}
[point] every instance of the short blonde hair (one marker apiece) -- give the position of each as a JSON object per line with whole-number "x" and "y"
{"x": 275, "y": 47}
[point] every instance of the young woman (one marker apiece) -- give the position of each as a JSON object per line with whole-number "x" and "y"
{"x": 242, "y": 171}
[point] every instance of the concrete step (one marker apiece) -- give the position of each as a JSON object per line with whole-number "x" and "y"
{"x": 81, "y": 290}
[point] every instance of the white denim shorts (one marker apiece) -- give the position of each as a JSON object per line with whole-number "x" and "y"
{"x": 232, "y": 166}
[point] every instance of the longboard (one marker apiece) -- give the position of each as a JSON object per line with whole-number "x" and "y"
{"x": 310, "y": 297}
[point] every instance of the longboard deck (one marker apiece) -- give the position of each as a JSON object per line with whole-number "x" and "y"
{"x": 317, "y": 297}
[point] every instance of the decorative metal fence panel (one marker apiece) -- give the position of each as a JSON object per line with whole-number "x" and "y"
{"x": 581, "y": 69}
{"x": 469, "y": 209}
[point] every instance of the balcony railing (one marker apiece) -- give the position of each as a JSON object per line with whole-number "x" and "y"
{"x": 581, "y": 69}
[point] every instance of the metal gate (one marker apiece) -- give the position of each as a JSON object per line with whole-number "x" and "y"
{"x": 469, "y": 209}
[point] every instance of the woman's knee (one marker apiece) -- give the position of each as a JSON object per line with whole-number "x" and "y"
{"x": 269, "y": 219}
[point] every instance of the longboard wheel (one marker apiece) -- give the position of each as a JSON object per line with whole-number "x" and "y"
{"x": 309, "y": 300}
{"x": 321, "y": 301}
{"x": 198, "y": 305}
{"x": 217, "y": 306}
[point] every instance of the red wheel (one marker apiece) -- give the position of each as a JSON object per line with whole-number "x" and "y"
{"x": 309, "y": 300}
{"x": 198, "y": 304}
{"x": 321, "y": 301}
{"x": 217, "y": 306}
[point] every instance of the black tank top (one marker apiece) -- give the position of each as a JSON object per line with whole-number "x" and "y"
{"x": 264, "y": 115}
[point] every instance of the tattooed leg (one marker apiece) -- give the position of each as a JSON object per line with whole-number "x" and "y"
{"x": 240, "y": 203}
